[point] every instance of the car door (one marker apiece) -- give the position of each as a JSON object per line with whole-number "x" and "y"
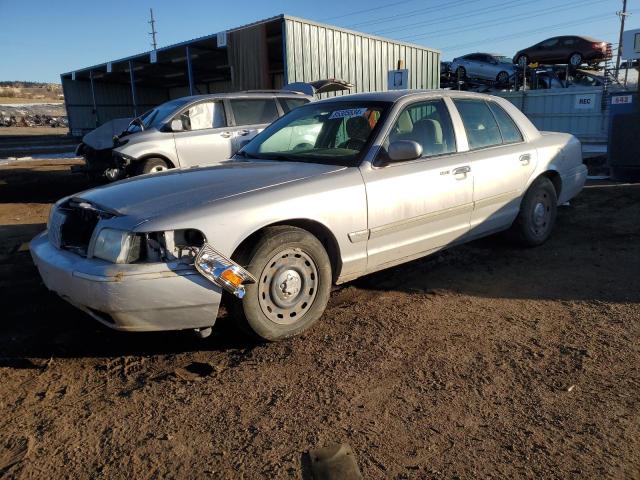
{"x": 417, "y": 206}
{"x": 205, "y": 137}
{"x": 251, "y": 115}
{"x": 501, "y": 162}
{"x": 548, "y": 51}
{"x": 471, "y": 65}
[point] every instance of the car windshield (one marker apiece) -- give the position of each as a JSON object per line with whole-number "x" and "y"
{"x": 503, "y": 59}
{"x": 323, "y": 132}
{"x": 154, "y": 117}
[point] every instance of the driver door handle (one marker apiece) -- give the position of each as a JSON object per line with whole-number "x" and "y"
{"x": 461, "y": 170}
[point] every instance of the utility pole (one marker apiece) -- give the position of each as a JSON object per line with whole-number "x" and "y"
{"x": 153, "y": 32}
{"x": 623, "y": 14}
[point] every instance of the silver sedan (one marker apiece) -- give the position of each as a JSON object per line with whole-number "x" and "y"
{"x": 484, "y": 66}
{"x": 332, "y": 191}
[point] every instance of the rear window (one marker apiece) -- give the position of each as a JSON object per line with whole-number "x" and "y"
{"x": 479, "y": 123}
{"x": 508, "y": 128}
{"x": 254, "y": 111}
{"x": 289, "y": 104}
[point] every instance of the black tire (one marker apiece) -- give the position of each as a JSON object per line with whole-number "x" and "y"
{"x": 502, "y": 78}
{"x": 461, "y": 73}
{"x": 522, "y": 61}
{"x": 152, "y": 165}
{"x": 294, "y": 282}
{"x": 537, "y": 214}
{"x": 575, "y": 59}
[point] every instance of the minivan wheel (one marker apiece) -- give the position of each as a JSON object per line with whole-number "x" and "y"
{"x": 537, "y": 214}
{"x": 461, "y": 73}
{"x": 152, "y": 165}
{"x": 575, "y": 60}
{"x": 503, "y": 78}
{"x": 294, "y": 281}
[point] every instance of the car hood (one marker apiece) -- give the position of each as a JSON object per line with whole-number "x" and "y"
{"x": 150, "y": 195}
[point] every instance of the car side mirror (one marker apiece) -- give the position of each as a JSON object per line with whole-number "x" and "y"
{"x": 176, "y": 125}
{"x": 403, "y": 150}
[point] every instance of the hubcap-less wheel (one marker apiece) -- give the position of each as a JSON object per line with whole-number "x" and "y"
{"x": 503, "y": 77}
{"x": 287, "y": 286}
{"x": 158, "y": 168}
{"x": 575, "y": 60}
{"x": 541, "y": 215}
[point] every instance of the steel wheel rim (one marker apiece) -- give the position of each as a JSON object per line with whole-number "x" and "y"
{"x": 288, "y": 286}
{"x": 158, "y": 168}
{"x": 541, "y": 214}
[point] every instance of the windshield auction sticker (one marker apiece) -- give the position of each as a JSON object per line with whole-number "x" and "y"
{"x": 351, "y": 112}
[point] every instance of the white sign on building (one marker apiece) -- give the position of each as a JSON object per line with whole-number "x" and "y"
{"x": 631, "y": 44}
{"x": 398, "y": 79}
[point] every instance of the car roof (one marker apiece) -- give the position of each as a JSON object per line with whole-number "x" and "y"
{"x": 248, "y": 94}
{"x": 395, "y": 95}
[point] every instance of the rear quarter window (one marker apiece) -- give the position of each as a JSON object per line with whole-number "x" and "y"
{"x": 508, "y": 128}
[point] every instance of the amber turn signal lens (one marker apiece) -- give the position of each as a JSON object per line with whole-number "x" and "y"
{"x": 231, "y": 277}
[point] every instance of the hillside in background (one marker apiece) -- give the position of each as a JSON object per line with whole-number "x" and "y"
{"x": 11, "y": 91}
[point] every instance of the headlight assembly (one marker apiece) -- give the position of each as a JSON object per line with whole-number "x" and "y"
{"x": 222, "y": 271}
{"x": 116, "y": 246}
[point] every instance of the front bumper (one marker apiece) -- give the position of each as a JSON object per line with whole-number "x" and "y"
{"x": 135, "y": 297}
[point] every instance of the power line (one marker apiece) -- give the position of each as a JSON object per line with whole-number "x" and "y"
{"x": 499, "y": 21}
{"x": 444, "y": 19}
{"x": 376, "y": 21}
{"x": 367, "y": 10}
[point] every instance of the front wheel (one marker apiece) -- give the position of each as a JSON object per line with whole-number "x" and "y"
{"x": 537, "y": 214}
{"x": 461, "y": 73}
{"x": 503, "y": 78}
{"x": 294, "y": 281}
{"x": 152, "y": 165}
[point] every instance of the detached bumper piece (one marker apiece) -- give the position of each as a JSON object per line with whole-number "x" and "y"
{"x": 222, "y": 271}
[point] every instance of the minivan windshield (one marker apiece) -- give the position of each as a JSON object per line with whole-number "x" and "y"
{"x": 323, "y": 132}
{"x": 153, "y": 118}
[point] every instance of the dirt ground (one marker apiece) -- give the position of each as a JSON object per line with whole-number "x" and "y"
{"x": 485, "y": 361}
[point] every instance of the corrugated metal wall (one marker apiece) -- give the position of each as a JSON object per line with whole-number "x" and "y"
{"x": 558, "y": 110}
{"x": 315, "y": 52}
{"x": 112, "y": 100}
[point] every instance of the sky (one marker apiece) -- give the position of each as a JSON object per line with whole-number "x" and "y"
{"x": 41, "y": 39}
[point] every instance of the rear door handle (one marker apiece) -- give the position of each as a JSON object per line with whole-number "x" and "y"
{"x": 525, "y": 159}
{"x": 461, "y": 170}
{"x": 225, "y": 134}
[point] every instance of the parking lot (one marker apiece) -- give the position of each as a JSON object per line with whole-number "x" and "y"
{"x": 484, "y": 361}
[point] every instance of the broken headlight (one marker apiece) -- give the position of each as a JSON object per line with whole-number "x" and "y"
{"x": 117, "y": 246}
{"x": 222, "y": 271}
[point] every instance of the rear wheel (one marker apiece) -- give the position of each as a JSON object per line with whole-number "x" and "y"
{"x": 537, "y": 215}
{"x": 294, "y": 281}
{"x": 575, "y": 60}
{"x": 152, "y": 165}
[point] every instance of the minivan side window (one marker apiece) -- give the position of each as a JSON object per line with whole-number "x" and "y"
{"x": 289, "y": 104}
{"x": 508, "y": 128}
{"x": 203, "y": 115}
{"x": 479, "y": 123}
{"x": 427, "y": 123}
{"x": 254, "y": 111}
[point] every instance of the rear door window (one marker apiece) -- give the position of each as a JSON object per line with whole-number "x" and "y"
{"x": 289, "y": 104}
{"x": 508, "y": 128}
{"x": 254, "y": 111}
{"x": 479, "y": 123}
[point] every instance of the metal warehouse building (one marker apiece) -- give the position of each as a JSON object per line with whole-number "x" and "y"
{"x": 264, "y": 55}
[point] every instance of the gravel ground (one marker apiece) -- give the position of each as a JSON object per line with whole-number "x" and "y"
{"x": 484, "y": 361}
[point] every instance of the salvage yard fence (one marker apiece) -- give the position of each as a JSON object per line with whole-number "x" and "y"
{"x": 582, "y": 112}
